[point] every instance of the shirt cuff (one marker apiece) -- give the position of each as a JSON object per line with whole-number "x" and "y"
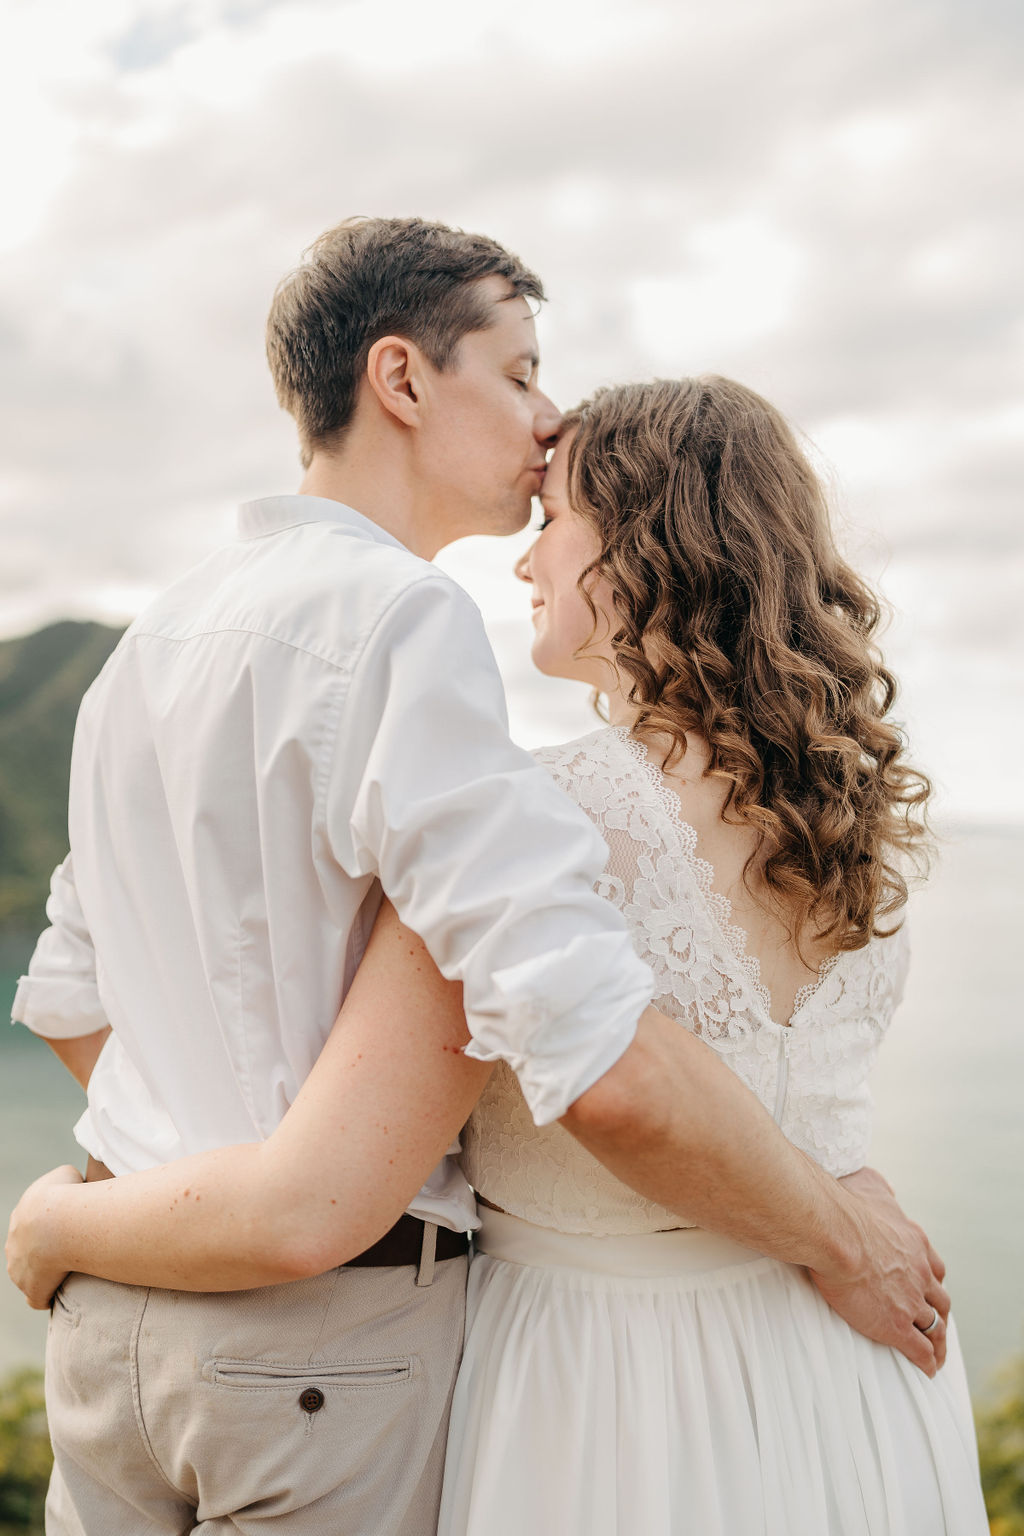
{"x": 58, "y": 1008}
{"x": 564, "y": 1019}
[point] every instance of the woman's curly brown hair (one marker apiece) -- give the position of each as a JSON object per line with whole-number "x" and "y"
{"x": 741, "y": 622}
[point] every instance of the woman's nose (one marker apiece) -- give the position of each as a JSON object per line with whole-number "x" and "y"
{"x": 522, "y": 566}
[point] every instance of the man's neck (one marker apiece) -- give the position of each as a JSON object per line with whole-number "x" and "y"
{"x": 376, "y": 486}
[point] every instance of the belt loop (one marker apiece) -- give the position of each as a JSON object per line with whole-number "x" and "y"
{"x": 425, "y": 1273}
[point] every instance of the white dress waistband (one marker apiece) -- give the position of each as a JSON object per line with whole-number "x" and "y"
{"x": 687, "y": 1250}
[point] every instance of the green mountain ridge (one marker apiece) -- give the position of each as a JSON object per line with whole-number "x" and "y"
{"x": 42, "y": 679}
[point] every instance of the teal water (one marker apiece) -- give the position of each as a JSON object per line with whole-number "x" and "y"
{"x": 949, "y": 1128}
{"x": 39, "y": 1103}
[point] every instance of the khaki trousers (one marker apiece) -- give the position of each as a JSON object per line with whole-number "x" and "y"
{"x": 316, "y": 1407}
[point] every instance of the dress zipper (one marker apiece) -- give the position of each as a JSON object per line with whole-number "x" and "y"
{"x": 782, "y": 1080}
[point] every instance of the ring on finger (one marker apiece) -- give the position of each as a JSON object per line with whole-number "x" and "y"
{"x": 934, "y": 1322}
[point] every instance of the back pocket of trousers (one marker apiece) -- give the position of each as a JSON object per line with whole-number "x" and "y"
{"x": 257, "y": 1375}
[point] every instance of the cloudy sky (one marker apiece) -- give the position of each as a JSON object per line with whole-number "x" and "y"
{"x": 821, "y": 200}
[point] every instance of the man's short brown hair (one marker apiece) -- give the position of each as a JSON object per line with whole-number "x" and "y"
{"x": 369, "y": 278}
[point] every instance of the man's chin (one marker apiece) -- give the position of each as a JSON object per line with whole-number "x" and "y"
{"x": 513, "y": 515}
{"x": 496, "y": 522}
{"x": 518, "y": 518}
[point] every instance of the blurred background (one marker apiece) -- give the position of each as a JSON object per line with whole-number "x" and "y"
{"x": 822, "y": 201}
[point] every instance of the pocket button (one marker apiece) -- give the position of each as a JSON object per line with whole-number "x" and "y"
{"x": 312, "y": 1400}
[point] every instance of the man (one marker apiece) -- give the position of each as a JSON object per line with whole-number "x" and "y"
{"x": 306, "y": 719}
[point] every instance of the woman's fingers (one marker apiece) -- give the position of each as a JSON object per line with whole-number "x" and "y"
{"x": 29, "y": 1268}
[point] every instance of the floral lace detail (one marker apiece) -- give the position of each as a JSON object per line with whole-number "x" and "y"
{"x": 720, "y": 905}
{"x": 709, "y": 983}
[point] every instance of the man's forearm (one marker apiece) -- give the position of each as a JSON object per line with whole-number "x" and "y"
{"x": 674, "y": 1123}
{"x": 79, "y": 1053}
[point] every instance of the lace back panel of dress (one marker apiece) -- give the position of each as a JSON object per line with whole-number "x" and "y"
{"x": 705, "y": 981}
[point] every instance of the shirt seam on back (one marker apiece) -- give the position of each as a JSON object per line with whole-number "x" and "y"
{"x": 239, "y": 629}
{"x": 348, "y": 664}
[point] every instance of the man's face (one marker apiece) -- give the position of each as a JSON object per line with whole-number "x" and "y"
{"x": 484, "y": 439}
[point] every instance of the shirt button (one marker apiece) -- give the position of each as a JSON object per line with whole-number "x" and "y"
{"x": 312, "y": 1400}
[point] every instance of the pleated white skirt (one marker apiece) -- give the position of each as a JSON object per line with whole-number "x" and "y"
{"x": 678, "y": 1384}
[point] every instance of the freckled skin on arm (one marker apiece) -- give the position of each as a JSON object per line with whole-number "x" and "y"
{"x": 389, "y": 1093}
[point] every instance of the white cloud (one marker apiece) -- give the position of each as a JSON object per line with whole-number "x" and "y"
{"x": 734, "y": 283}
{"x": 820, "y": 201}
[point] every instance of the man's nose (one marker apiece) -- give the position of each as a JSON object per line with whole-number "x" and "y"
{"x": 547, "y": 423}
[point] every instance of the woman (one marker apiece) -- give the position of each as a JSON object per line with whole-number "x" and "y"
{"x": 623, "y": 1374}
{"x": 619, "y": 1375}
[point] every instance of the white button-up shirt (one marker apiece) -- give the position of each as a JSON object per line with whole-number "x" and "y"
{"x": 309, "y": 716}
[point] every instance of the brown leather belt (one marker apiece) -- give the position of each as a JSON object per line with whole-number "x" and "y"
{"x": 402, "y": 1245}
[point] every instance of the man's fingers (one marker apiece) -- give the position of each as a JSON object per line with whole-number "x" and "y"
{"x": 936, "y": 1337}
{"x": 938, "y": 1297}
{"x": 938, "y": 1267}
{"x": 918, "y": 1349}
{"x": 939, "y": 1346}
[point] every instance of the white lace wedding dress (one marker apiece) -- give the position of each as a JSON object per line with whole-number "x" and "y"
{"x": 624, "y": 1379}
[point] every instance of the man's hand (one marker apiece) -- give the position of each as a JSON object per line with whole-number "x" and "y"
{"x": 28, "y": 1263}
{"x": 898, "y": 1289}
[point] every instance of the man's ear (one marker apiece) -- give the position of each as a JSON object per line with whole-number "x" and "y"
{"x": 394, "y": 371}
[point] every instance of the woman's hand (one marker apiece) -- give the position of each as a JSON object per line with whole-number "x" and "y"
{"x": 388, "y": 1095}
{"x": 30, "y": 1264}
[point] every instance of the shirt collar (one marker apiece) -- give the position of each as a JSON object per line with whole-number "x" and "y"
{"x": 272, "y": 514}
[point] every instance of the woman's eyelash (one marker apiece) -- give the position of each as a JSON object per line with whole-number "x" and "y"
{"x": 539, "y": 527}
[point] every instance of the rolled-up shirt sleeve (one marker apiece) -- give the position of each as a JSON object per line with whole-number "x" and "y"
{"x": 481, "y": 853}
{"x": 59, "y": 998}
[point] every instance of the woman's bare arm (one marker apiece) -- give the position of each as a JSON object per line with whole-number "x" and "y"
{"x": 390, "y": 1091}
